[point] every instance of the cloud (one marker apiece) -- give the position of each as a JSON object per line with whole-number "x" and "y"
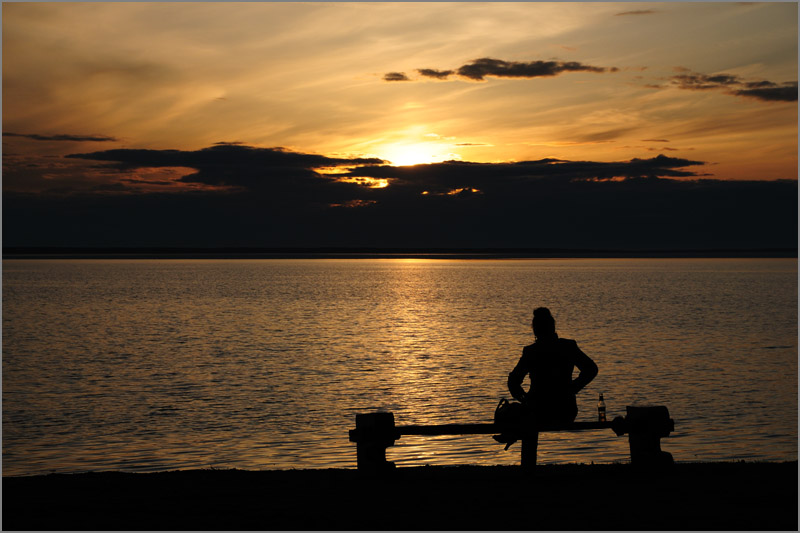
{"x": 763, "y": 90}
{"x": 62, "y": 137}
{"x": 500, "y": 178}
{"x": 532, "y": 204}
{"x": 785, "y": 93}
{"x": 395, "y": 76}
{"x": 638, "y": 12}
{"x": 220, "y": 155}
{"x": 264, "y": 168}
{"x": 700, "y": 82}
{"x": 480, "y": 69}
{"x": 603, "y": 136}
{"x": 229, "y": 165}
{"x": 664, "y": 149}
{"x": 433, "y": 73}
{"x": 350, "y": 204}
{"x": 276, "y": 197}
{"x": 297, "y": 177}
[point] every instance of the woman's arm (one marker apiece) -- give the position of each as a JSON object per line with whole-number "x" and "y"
{"x": 587, "y": 367}
{"x": 515, "y": 379}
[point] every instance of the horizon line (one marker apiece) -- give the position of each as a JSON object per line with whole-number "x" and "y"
{"x": 280, "y": 252}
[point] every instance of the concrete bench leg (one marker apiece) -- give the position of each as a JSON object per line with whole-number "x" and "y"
{"x": 646, "y": 426}
{"x": 373, "y": 434}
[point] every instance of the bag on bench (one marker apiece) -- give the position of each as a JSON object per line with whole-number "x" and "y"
{"x": 507, "y": 416}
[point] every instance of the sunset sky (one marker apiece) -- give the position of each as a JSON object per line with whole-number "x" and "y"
{"x": 263, "y": 114}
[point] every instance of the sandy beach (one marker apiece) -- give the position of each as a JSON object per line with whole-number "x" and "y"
{"x": 698, "y": 496}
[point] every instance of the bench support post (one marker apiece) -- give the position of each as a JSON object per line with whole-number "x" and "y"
{"x": 373, "y": 434}
{"x": 645, "y": 427}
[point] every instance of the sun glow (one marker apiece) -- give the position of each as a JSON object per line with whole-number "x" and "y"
{"x": 416, "y": 154}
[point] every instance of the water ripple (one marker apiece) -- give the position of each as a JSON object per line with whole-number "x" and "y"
{"x": 155, "y": 365}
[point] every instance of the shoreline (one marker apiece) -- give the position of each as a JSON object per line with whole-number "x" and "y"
{"x": 685, "y": 496}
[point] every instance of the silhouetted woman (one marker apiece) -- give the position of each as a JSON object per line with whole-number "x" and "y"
{"x": 550, "y": 362}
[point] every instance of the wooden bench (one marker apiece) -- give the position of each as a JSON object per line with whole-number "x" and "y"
{"x": 645, "y": 427}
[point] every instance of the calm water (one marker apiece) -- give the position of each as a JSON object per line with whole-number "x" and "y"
{"x": 146, "y": 365}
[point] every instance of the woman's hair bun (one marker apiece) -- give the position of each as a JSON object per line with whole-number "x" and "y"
{"x": 544, "y": 325}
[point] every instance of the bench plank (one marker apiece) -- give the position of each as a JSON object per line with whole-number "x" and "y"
{"x": 487, "y": 429}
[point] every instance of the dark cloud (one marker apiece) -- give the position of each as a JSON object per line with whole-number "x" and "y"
{"x": 655, "y": 141}
{"x": 785, "y": 93}
{"x": 664, "y": 149}
{"x": 110, "y": 187}
{"x": 395, "y": 76}
{"x": 499, "y": 178}
{"x": 763, "y": 90}
{"x": 62, "y": 137}
{"x": 227, "y": 164}
{"x": 265, "y": 168}
{"x": 433, "y": 73}
{"x": 480, "y": 69}
{"x": 601, "y": 136}
{"x": 760, "y": 84}
{"x": 639, "y": 12}
{"x": 279, "y": 198}
{"x": 510, "y": 211}
{"x": 146, "y": 181}
{"x": 700, "y": 82}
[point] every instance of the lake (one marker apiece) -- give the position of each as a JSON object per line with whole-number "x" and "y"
{"x": 148, "y": 365}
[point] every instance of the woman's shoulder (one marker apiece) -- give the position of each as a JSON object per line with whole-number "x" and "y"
{"x": 528, "y": 349}
{"x": 567, "y": 344}
{"x": 529, "y": 352}
{"x": 559, "y": 343}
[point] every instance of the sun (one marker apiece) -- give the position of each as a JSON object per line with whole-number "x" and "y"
{"x": 414, "y": 154}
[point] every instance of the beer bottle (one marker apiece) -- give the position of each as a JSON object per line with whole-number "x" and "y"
{"x": 601, "y": 409}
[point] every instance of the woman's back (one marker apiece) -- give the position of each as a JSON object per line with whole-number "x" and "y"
{"x": 550, "y": 362}
{"x": 550, "y": 365}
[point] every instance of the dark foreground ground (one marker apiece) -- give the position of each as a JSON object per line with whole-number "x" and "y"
{"x": 705, "y": 496}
